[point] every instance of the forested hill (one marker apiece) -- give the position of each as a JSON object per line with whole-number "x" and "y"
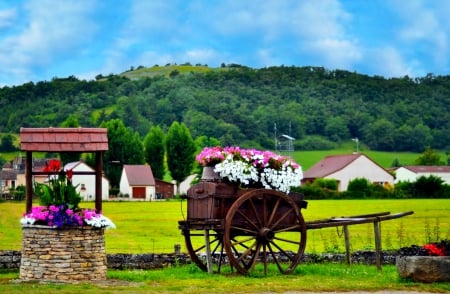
{"x": 240, "y": 105}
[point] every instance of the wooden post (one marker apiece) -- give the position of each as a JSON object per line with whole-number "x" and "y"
{"x": 208, "y": 253}
{"x": 98, "y": 180}
{"x": 347, "y": 245}
{"x": 29, "y": 181}
{"x": 376, "y": 226}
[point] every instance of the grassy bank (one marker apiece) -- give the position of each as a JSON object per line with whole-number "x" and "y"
{"x": 152, "y": 227}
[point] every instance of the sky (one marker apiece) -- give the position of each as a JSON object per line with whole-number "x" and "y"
{"x": 44, "y": 39}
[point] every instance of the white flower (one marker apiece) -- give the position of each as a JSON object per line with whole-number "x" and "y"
{"x": 26, "y": 220}
{"x": 100, "y": 221}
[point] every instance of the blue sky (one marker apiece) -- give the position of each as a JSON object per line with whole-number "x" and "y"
{"x": 43, "y": 39}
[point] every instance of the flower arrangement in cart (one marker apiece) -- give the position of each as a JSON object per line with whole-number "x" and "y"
{"x": 252, "y": 167}
{"x": 59, "y": 203}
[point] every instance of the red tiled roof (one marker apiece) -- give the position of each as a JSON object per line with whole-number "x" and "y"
{"x": 139, "y": 175}
{"x": 329, "y": 165}
{"x": 428, "y": 169}
{"x": 63, "y": 139}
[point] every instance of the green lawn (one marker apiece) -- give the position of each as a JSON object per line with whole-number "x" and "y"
{"x": 152, "y": 227}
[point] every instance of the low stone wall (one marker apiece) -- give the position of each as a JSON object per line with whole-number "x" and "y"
{"x": 72, "y": 254}
{"x": 11, "y": 259}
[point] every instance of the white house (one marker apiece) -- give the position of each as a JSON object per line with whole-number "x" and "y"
{"x": 411, "y": 173}
{"x": 138, "y": 182}
{"x": 345, "y": 168}
{"x": 86, "y": 183}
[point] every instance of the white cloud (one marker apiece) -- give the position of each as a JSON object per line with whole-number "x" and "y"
{"x": 426, "y": 28}
{"x": 389, "y": 62}
{"x": 48, "y": 29}
{"x": 7, "y": 17}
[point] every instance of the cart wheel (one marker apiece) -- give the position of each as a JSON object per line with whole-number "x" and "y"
{"x": 266, "y": 226}
{"x": 196, "y": 246}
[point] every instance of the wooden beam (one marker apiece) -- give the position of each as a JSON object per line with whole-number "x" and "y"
{"x": 29, "y": 181}
{"x": 98, "y": 180}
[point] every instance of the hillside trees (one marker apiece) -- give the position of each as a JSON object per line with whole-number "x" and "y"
{"x": 240, "y": 105}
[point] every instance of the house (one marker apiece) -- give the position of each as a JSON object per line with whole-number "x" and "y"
{"x": 137, "y": 182}
{"x": 345, "y": 168}
{"x": 8, "y": 179}
{"x": 412, "y": 172}
{"x": 85, "y": 183}
{"x": 39, "y": 165}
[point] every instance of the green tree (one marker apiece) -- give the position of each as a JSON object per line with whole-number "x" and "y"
{"x": 7, "y": 144}
{"x": 154, "y": 151}
{"x": 429, "y": 157}
{"x": 180, "y": 152}
{"x": 125, "y": 147}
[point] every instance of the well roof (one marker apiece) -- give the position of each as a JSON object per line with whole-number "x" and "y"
{"x": 64, "y": 139}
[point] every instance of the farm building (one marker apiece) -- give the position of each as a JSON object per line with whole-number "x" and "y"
{"x": 85, "y": 183}
{"x": 137, "y": 182}
{"x": 411, "y": 173}
{"x": 345, "y": 168}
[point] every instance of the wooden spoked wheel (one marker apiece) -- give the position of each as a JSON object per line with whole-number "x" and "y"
{"x": 196, "y": 245}
{"x": 264, "y": 226}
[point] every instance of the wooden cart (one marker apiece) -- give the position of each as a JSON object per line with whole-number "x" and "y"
{"x": 243, "y": 226}
{"x": 229, "y": 225}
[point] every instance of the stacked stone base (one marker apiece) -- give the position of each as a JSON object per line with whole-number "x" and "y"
{"x": 69, "y": 255}
{"x": 426, "y": 269}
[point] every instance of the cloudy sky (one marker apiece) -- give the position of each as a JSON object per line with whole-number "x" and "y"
{"x": 43, "y": 39}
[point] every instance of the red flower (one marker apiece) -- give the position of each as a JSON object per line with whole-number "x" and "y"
{"x": 434, "y": 250}
{"x": 69, "y": 174}
{"x": 53, "y": 165}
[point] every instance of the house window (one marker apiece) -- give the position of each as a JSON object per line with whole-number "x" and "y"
{"x": 82, "y": 187}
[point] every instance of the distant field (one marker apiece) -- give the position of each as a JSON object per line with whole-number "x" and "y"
{"x": 152, "y": 227}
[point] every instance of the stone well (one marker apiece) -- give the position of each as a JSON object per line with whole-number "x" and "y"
{"x": 69, "y": 254}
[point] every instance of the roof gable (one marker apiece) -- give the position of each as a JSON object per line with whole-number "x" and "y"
{"x": 330, "y": 165}
{"x": 64, "y": 139}
{"x": 139, "y": 175}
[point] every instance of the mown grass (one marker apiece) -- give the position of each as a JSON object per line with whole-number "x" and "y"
{"x": 146, "y": 227}
{"x": 188, "y": 279}
{"x": 152, "y": 227}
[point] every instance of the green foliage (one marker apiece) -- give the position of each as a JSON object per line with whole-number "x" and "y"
{"x": 429, "y": 187}
{"x": 180, "y": 151}
{"x": 429, "y": 157}
{"x": 7, "y": 144}
{"x": 358, "y": 188}
{"x": 59, "y": 191}
{"x": 154, "y": 151}
{"x": 240, "y": 105}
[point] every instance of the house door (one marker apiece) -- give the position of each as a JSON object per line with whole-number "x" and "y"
{"x": 139, "y": 192}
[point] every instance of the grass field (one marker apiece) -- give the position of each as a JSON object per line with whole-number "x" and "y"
{"x": 152, "y": 227}
{"x": 329, "y": 278}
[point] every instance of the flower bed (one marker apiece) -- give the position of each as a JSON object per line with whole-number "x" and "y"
{"x": 251, "y": 167}
{"x": 59, "y": 201}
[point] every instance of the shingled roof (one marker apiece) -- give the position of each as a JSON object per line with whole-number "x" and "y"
{"x": 63, "y": 139}
{"x": 139, "y": 175}
{"x": 329, "y": 165}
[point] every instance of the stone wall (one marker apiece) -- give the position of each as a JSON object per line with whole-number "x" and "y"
{"x": 11, "y": 259}
{"x": 72, "y": 254}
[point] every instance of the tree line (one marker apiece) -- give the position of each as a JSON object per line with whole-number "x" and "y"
{"x": 237, "y": 105}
